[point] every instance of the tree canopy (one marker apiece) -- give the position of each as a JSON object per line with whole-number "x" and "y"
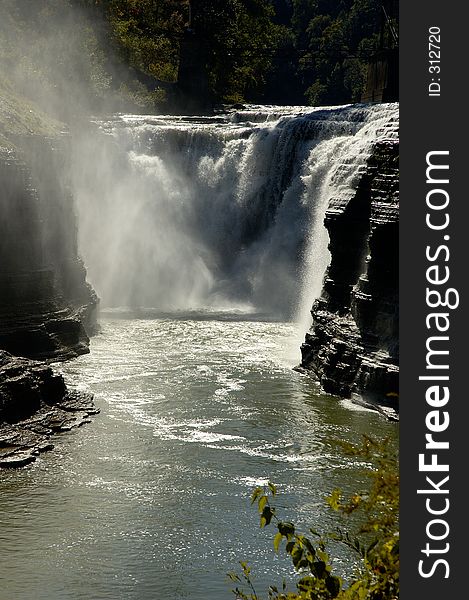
{"x": 272, "y": 51}
{"x": 291, "y": 51}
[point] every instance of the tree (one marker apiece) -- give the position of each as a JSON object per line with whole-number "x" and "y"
{"x": 335, "y": 43}
{"x": 240, "y": 38}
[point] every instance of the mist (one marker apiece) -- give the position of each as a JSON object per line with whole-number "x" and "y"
{"x": 176, "y": 213}
{"x": 217, "y": 213}
{"x": 61, "y": 55}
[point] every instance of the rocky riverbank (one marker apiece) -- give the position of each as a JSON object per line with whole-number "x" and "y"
{"x": 353, "y": 345}
{"x": 47, "y": 308}
{"x": 34, "y": 405}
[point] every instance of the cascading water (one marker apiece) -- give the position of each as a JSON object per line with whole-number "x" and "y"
{"x": 181, "y": 213}
{"x": 152, "y": 500}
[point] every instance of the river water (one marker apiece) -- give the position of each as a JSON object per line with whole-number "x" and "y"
{"x": 151, "y": 500}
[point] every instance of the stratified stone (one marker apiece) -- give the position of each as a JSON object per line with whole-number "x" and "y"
{"x": 35, "y": 404}
{"x": 47, "y": 309}
{"x": 353, "y": 345}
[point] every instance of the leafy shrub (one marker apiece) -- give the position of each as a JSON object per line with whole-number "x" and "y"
{"x": 376, "y": 543}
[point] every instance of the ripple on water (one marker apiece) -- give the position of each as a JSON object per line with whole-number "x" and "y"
{"x": 152, "y": 499}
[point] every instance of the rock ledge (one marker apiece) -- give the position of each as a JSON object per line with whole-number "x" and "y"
{"x": 352, "y": 347}
{"x": 34, "y": 405}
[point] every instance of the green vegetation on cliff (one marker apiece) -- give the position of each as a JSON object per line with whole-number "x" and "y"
{"x": 304, "y": 51}
{"x": 19, "y": 117}
{"x": 335, "y": 41}
{"x": 57, "y": 55}
{"x": 94, "y": 55}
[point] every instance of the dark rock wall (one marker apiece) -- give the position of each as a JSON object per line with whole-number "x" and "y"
{"x": 47, "y": 309}
{"x": 34, "y": 404}
{"x": 353, "y": 345}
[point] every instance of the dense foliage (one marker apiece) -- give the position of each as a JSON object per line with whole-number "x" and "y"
{"x": 376, "y": 543}
{"x": 147, "y": 32}
{"x": 272, "y": 51}
{"x": 304, "y": 51}
{"x": 241, "y": 38}
{"x": 335, "y": 41}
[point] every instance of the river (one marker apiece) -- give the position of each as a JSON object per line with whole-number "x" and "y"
{"x": 151, "y": 500}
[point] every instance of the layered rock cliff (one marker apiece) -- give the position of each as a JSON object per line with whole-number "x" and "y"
{"x": 47, "y": 309}
{"x": 353, "y": 346}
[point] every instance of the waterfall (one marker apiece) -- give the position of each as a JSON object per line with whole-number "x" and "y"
{"x": 180, "y": 213}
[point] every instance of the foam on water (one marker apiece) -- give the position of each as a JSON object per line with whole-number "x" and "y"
{"x": 152, "y": 499}
{"x": 219, "y": 213}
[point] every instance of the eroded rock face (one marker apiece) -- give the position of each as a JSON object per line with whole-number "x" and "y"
{"x": 353, "y": 344}
{"x": 47, "y": 309}
{"x": 34, "y": 404}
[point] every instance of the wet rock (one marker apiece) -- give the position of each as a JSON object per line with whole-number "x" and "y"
{"x": 35, "y": 404}
{"x": 18, "y": 459}
{"x": 353, "y": 345}
{"x": 47, "y": 309}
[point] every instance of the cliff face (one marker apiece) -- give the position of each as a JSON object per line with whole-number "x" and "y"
{"x": 46, "y": 307}
{"x": 47, "y": 310}
{"x": 353, "y": 345}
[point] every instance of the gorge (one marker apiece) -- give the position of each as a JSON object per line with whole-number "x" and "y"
{"x": 204, "y": 239}
{"x": 229, "y": 211}
{"x": 209, "y": 214}
{"x": 47, "y": 309}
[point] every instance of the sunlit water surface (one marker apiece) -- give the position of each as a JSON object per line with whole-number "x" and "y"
{"x": 151, "y": 501}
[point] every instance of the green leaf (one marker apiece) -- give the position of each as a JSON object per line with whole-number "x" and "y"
{"x": 323, "y": 556}
{"x": 277, "y": 539}
{"x": 272, "y": 488}
{"x": 334, "y": 499}
{"x": 333, "y": 585}
{"x": 319, "y": 568}
{"x": 296, "y": 555}
{"x": 306, "y": 584}
{"x": 262, "y": 503}
{"x": 256, "y": 493}
{"x": 266, "y": 516}
{"x": 309, "y": 546}
{"x": 286, "y": 528}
